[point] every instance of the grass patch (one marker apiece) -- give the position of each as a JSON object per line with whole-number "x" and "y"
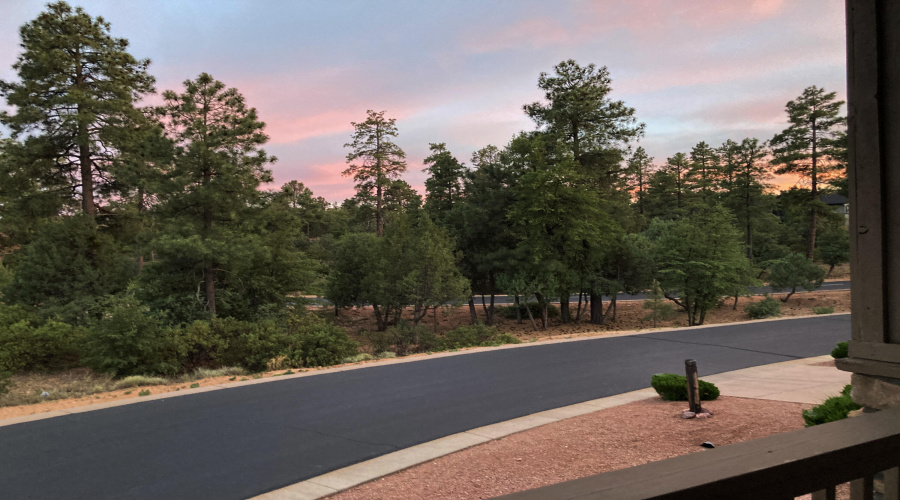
{"x": 832, "y": 409}
{"x": 823, "y": 310}
{"x": 26, "y": 388}
{"x": 195, "y": 385}
{"x": 138, "y": 381}
{"x": 201, "y": 373}
{"x": 145, "y": 392}
{"x": 363, "y": 356}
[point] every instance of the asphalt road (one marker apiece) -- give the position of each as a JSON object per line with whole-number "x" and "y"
{"x": 243, "y": 441}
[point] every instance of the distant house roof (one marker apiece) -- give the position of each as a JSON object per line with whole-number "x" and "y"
{"x": 834, "y": 199}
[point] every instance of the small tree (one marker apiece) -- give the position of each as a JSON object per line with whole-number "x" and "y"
{"x": 700, "y": 259}
{"x": 834, "y": 247}
{"x": 793, "y": 272}
{"x": 660, "y": 308}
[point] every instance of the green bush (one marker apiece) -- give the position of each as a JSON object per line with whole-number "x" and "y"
{"x": 505, "y": 338}
{"x": 469, "y": 336}
{"x": 840, "y": 351}
{"x": 765, "y": 308}
{"x": 29, "y": 343}
{"x": 315, "y": 342}
{"x": 823, "y": 310}
{"x": 509, "y": 312}
{"x": 403, "y": 339}
{"x": 673, "y": 387}
{"x": 248, "y": 344}
{"x": 832, "y": 409}
{"x": 128, "y": 341}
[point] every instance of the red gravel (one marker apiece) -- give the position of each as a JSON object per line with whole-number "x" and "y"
{"x": 616, "y": 438}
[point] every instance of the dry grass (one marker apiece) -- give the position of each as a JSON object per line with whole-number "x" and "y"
{"x": 27, "y": 388}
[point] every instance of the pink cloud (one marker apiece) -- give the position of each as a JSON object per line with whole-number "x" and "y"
{"x": 529, "y": 33}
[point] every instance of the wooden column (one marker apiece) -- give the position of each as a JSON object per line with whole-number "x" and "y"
{"x": 873, "y": 112}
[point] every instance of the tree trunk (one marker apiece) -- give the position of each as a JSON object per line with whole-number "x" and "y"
{"x": 530, "y": 316}
{"x": 518, "y": 310}
{"x": 814, "y": 219}
{"x": 734, "y": 307}
{"x": 564, "y": 313}
{"x": 596, "y": 308}
{"x": 792, "y": 292}
{"x": 543, "y": 304}
{"x": 472, "y": 313}
{"x": 379, "y": 221}
{"x": 209, "y": 280}
{"x": 578, "y": 309}
{"x": 831, "y": 268}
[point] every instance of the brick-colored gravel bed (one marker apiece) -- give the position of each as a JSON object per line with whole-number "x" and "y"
{"x": 615, "y": 438}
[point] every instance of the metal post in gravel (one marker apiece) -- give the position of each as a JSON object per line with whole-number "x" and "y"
{"x": 693, "y": 385}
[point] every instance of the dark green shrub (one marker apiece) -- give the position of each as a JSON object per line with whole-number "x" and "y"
{"x": 403, "y": 339}
{"x": 765, "y": 308}
{"x": 832, "y": 409}
{"x": 823, "y": 310}
{"x": 470, "y": 336}
{"x": 509, "y": 312}
{"x": 840, "y": 351}
{"x": 673, "y": 387}
{"x": 249, "y": 344}
{"x": 128, "y": 341}
{"x": 315, "y": 342}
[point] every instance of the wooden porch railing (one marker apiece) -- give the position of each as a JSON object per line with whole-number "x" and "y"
{"x": 784, "y": 466}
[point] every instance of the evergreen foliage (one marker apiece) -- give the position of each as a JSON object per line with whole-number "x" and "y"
{"x": 793, "y": 272}
{"x": 673, "y": 387}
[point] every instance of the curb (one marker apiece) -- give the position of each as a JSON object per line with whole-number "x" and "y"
{"x": 391, "y": 463}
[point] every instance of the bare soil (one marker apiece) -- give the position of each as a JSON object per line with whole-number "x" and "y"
{"x": 629, "y": 317}
{"x": 615, "y": 438}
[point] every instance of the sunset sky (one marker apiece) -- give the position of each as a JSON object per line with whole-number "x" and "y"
{"x": 460, "y": 71}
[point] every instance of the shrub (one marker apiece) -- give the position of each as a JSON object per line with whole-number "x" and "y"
{"x": 506, "y": 338}
{"x": 765, "y": 308}
{"x": 840, "y": 351}
{"x": 128, "y": 341}
{"x": 509, "y": 312}
{"x": 248, "y": 344}
{"x": 315, "y": 342}
{"x": 402, "y": 337}
{"x": 470, "y": 336}
{"x": 673, "y": 387}
{"x": 823, "y": 310}
{"x": 832, "y": 409}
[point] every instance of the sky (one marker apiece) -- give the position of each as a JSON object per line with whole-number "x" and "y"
{"x": 459, "y": 72}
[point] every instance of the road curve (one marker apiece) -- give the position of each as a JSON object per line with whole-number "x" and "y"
{"x": 244, "y": 441}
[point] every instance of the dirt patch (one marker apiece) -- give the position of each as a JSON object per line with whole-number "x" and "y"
{"x": 616, "y": 438}
{"x": 629, "y": 316}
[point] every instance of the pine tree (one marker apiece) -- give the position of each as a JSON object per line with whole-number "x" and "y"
{"x": 218, "y": 167}
{"x": 596, "y": 128}
{"x": 811, "y": 144}
{"x": 639, "y": 166}
{"x": 380, "y": 160}
{"x": 75, "y": 99}
{"x": 750, "y": 173}
{"x": 705, "y": 165}
{"x": 444, "y": 186}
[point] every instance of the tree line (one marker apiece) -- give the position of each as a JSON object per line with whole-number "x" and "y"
{"x": 135, "y": 223}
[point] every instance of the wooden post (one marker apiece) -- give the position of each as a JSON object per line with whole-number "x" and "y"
{"x": 693, "y": 385}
